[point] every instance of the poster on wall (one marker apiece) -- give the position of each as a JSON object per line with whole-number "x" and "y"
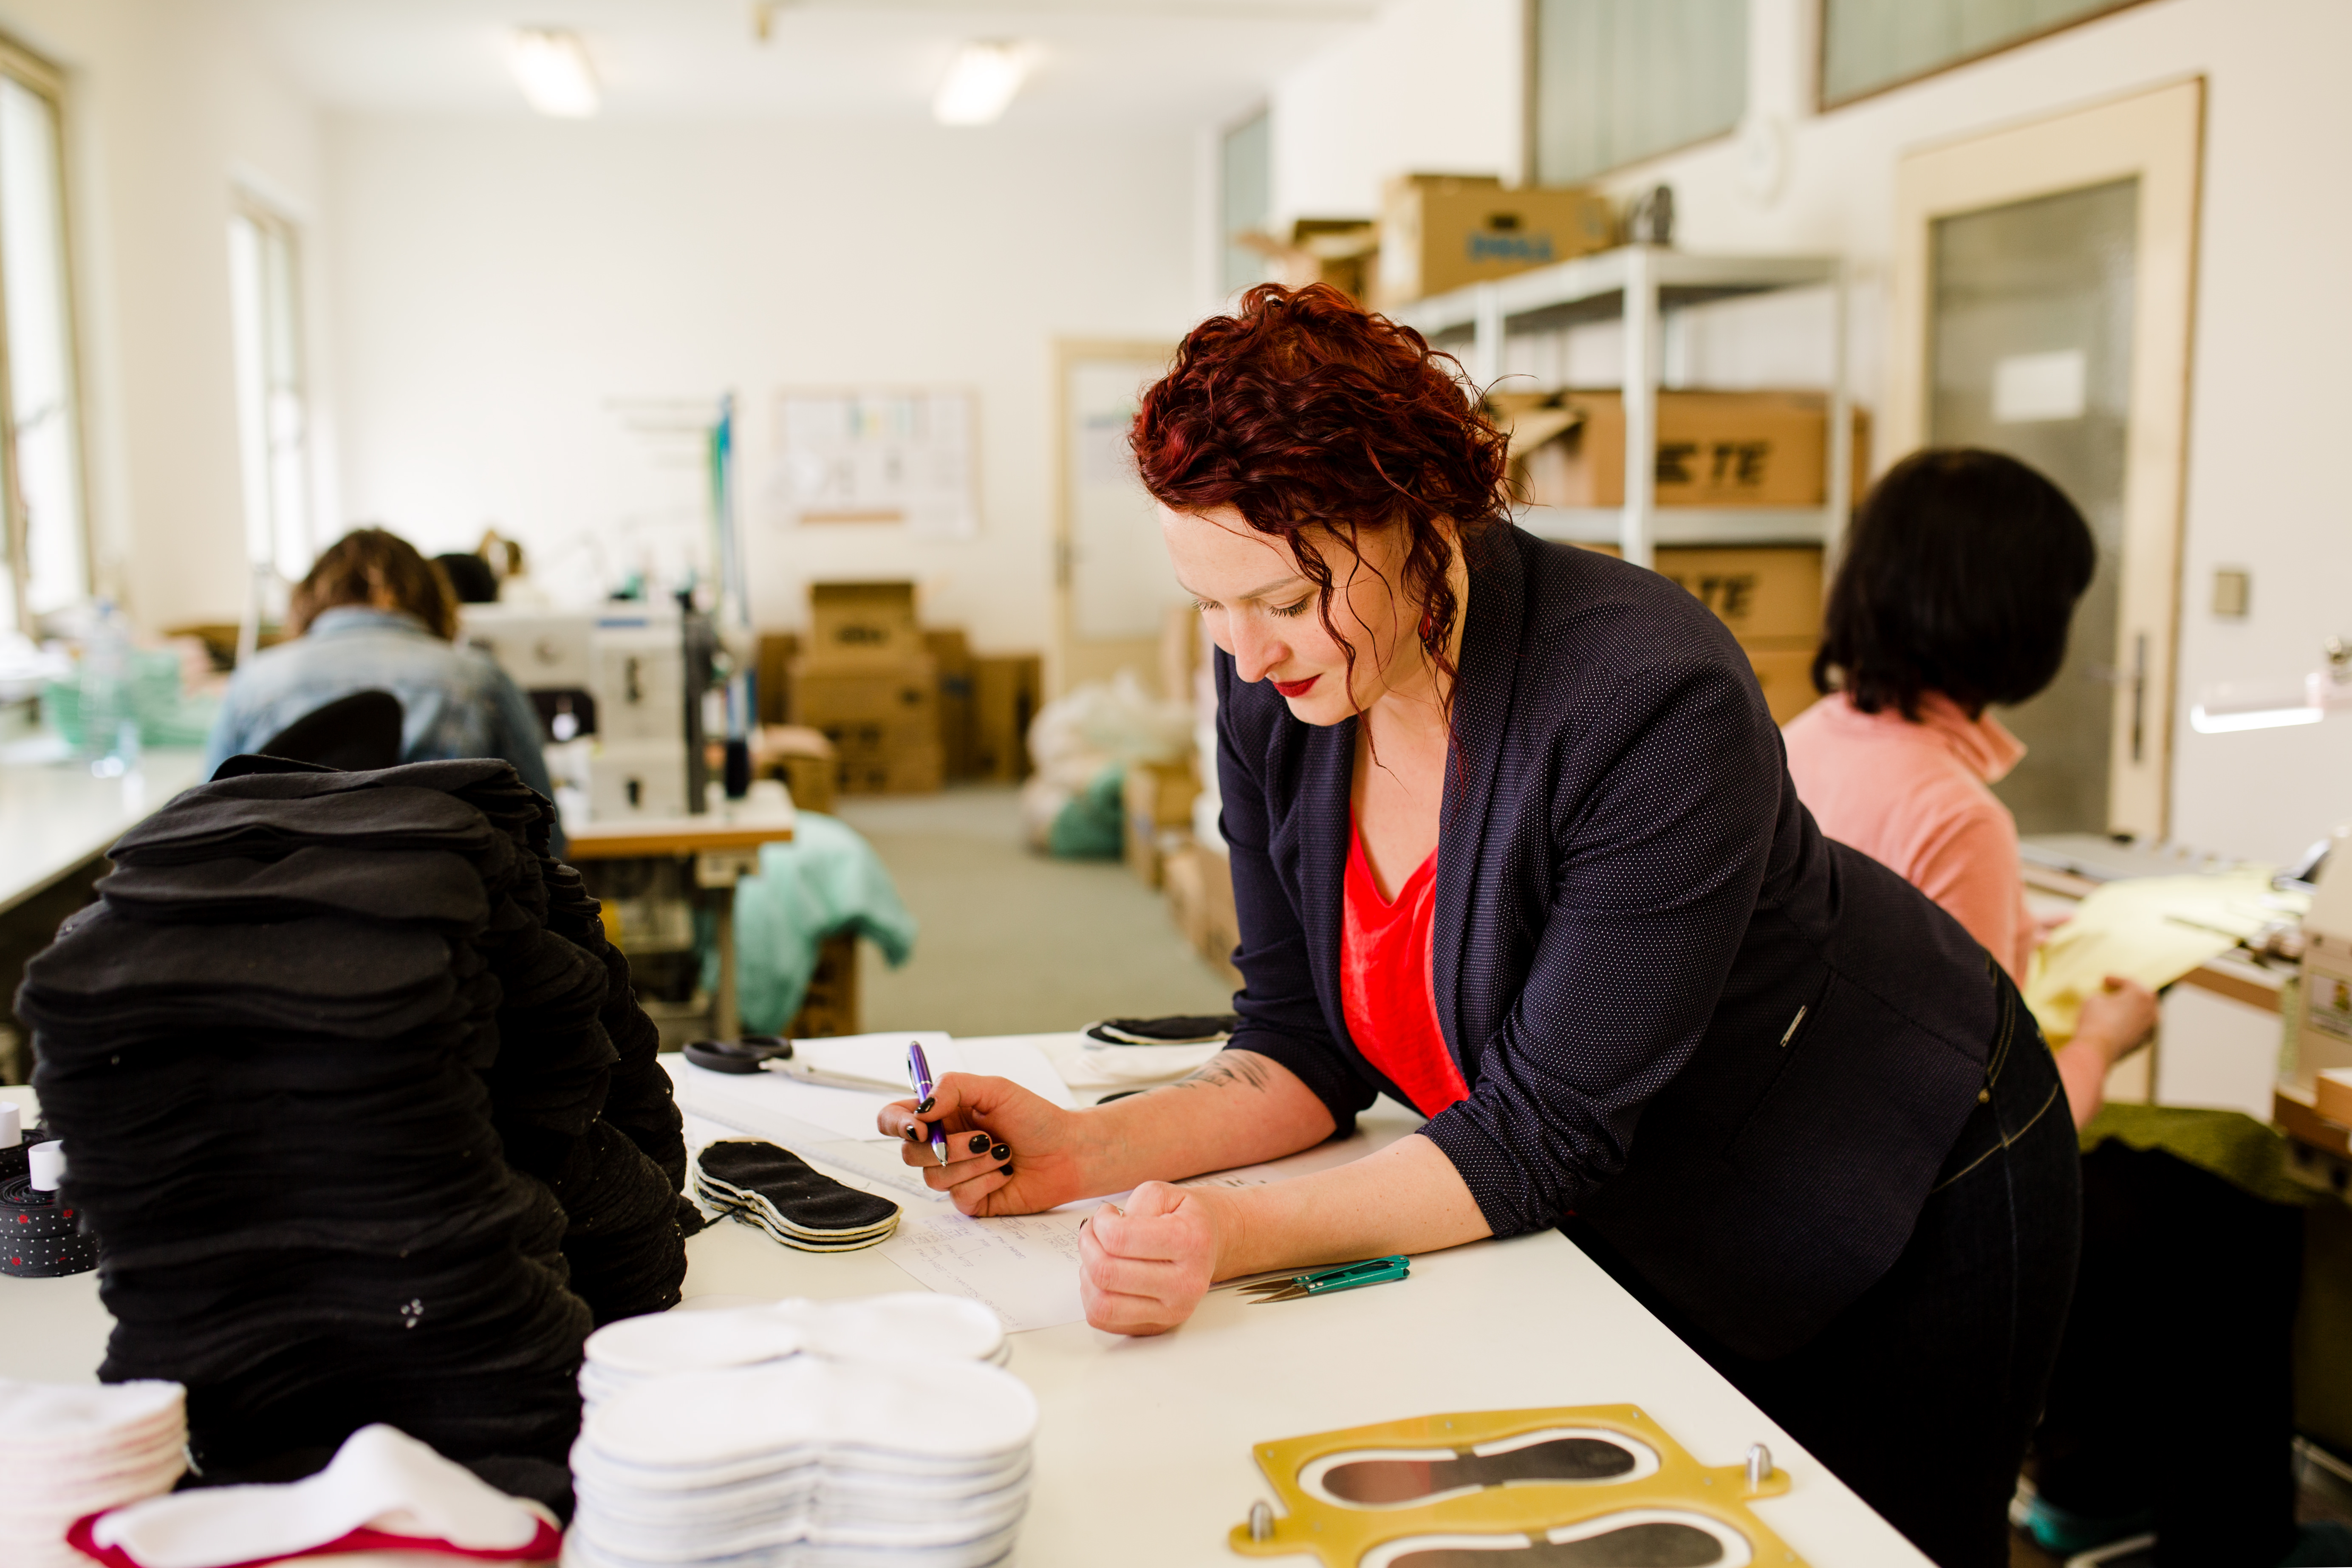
{"x": 885, "y": 457}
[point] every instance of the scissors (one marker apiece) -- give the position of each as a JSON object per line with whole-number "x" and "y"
{"x": 1324, "y": 1281}
{"x": 758, "y": 1053}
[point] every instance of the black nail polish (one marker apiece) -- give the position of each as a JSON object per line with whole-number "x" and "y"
{"x": 914, "y": 1132}
{"x": 979, "y": 1143}
{"x": 1005, "y": 1170}
{"x": 928, "y": 1100}
{"x": 1000, "y": 1152}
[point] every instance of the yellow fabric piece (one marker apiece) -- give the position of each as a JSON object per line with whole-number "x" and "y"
{"x": 2153, "y": 930}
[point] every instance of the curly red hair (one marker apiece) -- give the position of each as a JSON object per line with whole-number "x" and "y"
{"x": 1304, "y": 411}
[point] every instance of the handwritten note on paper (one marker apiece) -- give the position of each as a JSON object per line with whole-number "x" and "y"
{"x": 1025, "y": 1267}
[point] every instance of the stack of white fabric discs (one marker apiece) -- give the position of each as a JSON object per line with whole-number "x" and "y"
{"x": 69, "y": 1451}
{"x": 910, "y": 1327}
{"x": 807, "y": 1462}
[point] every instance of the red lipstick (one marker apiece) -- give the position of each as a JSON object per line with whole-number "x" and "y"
{"x": 1297, "y": 688}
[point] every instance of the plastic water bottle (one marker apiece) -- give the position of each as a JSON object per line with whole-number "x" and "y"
{"x": 110, "y": 715}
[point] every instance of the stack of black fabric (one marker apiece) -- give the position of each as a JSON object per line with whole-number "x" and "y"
{"x": 362, "y": 1110}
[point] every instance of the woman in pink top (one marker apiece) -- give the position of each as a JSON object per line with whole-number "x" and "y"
{"x": 1959, "y": 580}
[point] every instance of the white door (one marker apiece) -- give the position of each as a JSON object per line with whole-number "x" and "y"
{"x": 2043, "y": 296}
{"x": 1116, "y": 583}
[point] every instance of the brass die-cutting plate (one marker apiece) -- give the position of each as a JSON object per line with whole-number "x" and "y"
{"x": 1665, "y": 1479}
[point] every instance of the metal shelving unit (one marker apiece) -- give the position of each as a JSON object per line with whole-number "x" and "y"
{"x": 1642, "y": 283}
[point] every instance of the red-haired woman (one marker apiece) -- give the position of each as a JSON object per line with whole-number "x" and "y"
{"x": 1513, "y": 841}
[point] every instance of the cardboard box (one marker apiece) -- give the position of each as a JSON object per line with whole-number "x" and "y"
{"x": 1787, "y": 677}
{"x": 1006, "y": 692}
{"x": 883, "y": 721}
{"x": 1769, "y": 595}
{"x": 905, "y": 691}
{"x": 829, "y": 1005}
{"x": 885, "y": 759}
{"x": 1200, "y": 887}
{"x": 1715, "y": 448}
{"x": 862, "y": 623}
{"x": 1181, "y": 652}
{"x": 1340, "y": 251}
{"x": 1158, "y": 797}
{"x": 958, "y": 743}
{"x": 1443, "y": 231}
{"x": 802, "y": 758}
{"x": 772, "y": 675}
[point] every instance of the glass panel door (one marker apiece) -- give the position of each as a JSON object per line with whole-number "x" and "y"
{"x": 2031, "y": 352}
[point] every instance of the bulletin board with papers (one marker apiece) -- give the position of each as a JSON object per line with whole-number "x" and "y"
{"x": 894, "y": 457}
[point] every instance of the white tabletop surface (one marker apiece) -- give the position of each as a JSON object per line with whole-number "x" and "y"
{"x": 54, "y": 816}
{"x": 1144, "y": 1447}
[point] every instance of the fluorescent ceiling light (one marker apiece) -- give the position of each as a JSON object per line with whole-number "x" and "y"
{"x": 551, "y": 67}
{"x": 981, "y": 83}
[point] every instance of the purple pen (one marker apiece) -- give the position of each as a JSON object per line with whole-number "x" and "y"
{"x": 918, "y": 1072}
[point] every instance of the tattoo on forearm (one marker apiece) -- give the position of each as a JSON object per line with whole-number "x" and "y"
{"x": 1229, "y": 1067}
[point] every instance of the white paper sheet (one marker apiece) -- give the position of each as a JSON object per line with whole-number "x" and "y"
{"x": 1024, "y": 1267}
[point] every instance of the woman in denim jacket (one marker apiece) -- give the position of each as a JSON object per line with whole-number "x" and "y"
{"x": 374, "y": 614}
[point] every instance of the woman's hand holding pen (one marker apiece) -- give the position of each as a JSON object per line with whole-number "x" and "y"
{"x": 1008, "y": 1151}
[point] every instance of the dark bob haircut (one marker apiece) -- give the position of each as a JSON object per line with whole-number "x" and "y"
{"x": 1960, "y": 576}
{"x": 1303, "y": 411}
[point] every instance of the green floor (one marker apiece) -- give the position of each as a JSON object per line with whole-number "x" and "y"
{"x": 1013, "y": 942}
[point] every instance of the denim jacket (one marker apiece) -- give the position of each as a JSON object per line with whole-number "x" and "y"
{"x": 456, "y": 702}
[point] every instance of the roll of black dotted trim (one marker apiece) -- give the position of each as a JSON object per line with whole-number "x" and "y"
{"x": 40, "y": 1239}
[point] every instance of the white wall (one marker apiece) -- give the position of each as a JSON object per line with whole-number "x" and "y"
{"x": 167, "y": 109}
{"x": 1430, "y": 86}
{"x": 501, "y": 283}
{"x": 2269, "y": 395}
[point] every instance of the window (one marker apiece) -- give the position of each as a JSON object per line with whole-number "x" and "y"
{"x": 1869, "y": 45}
{"x": 1245, "y": 195}
{"x": 47, "y": 555}
{"x": 1616, "y": 82}
{"x": 264, "y": 269}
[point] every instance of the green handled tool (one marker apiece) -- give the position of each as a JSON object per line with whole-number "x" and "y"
{"x": 1328, "y": 1282}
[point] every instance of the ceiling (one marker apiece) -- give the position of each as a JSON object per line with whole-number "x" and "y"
{"x": 1098, "y": 62}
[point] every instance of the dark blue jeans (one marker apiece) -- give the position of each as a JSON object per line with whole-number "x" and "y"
{"x": 1921, "y": 1396}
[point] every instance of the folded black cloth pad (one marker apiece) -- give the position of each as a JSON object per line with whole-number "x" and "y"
{"x": 775, "y": 1189}
{"x": 363, "y": 1111}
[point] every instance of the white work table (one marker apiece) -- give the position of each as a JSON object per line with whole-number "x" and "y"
{"x": 1144, "y": 1448}
{"x": 54, "y": 816}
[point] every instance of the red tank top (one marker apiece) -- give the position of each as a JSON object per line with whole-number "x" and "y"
{"x": 1384, "y": 982}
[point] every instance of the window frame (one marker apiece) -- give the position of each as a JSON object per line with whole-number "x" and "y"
{"x": 45, "y": 81}
{"x": 272, "y": 221}
{"x": 1530, "y": 113}
{"x": 1226, "y": 130}
{"x": 1823, "y": 103}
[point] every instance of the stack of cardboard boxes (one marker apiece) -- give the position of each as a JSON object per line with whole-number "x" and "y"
{"x": 889, "y": 707}
{"x": 868, "y": 682}
{"x": 1715, "y": 449}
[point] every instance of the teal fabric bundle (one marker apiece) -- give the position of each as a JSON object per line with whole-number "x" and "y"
{"x": 1092, "y": 824}
{"x": 826, "y": 880}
